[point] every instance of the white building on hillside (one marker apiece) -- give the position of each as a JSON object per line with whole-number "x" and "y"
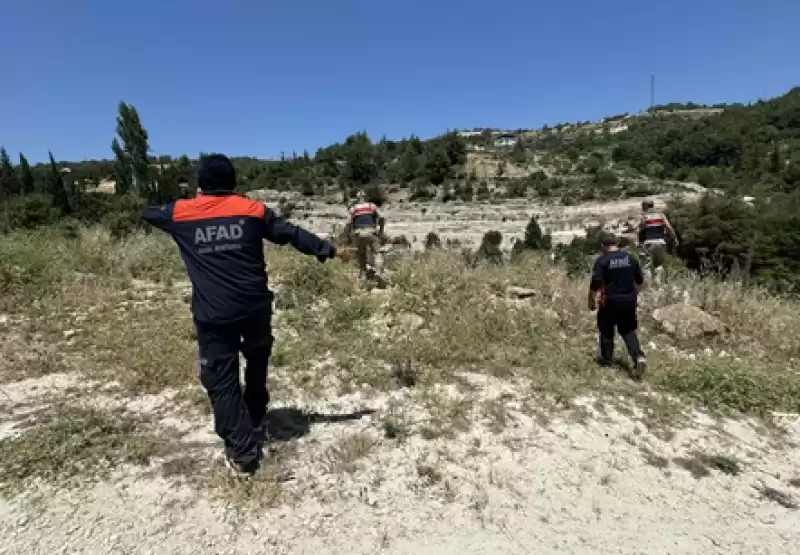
{"x": 505, "y": 141}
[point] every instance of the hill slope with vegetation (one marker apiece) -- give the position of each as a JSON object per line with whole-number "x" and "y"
{"x": 444, "y": 413}
{"x": 739, "y": 149}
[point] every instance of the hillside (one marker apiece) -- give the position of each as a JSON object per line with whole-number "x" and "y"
{"x": 459, "y": 410}
{"x": 743, "y": 148}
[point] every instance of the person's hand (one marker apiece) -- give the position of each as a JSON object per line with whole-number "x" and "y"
{"x": 592, "y": 304}
{"x": 344, "y": 254}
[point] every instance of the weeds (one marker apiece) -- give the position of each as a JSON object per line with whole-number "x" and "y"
{"x": 116, "y": 310}
{"x": 345, "y": 454}
{"x": 699, "y": 464}
{"x": 68, "y": 442}
{"x": 429, "y": 474}
{"x": 654, "y": 460}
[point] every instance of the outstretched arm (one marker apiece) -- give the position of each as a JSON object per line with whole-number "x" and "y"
{"x": 595, "y": 284}
{"x": 638, "y": 277}
{"x": 640, "y": 231}
{"x": 671, "y": 231}
{"x": 159, "y": 216}
{"x": 279, "y": 231}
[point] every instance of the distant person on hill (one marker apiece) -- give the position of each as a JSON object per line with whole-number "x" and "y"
{"x": 366, "y": 226}
{"x": 654, "y": 229}
{"x": 220, "y": 237}
{"x": 616, "y": 280}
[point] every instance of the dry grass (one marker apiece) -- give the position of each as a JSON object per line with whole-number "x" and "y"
{"x": 700, "y": 464}
{"x": 117, "y": 312}
{"x": 68, "y": 444}
{"x": 345, "y": 454}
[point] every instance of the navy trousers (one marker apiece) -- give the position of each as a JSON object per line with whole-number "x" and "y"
{"x": 236, "y": 410}
{"x": 617, "y": 316}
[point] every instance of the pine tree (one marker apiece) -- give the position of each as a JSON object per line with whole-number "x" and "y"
{"x": 534, "y": 238}
{"x": 26, "y": 180}
{"x": 57, "y": 188}
{"x": 8, "y": 179}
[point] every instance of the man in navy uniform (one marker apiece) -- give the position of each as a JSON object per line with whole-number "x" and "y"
{"x": 616, "y": 280}
{"x": 220, "y": 237}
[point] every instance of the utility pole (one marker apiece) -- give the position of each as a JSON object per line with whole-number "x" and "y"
{"x": 652, "y": 90}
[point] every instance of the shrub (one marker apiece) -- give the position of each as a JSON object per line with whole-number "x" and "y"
{"x": 375, "y": 194}
{"x": 401, "y": 241}
{"x": 432, "y": 241}
{"x": 29, "y": 212}
{"x": 489, "y": 249}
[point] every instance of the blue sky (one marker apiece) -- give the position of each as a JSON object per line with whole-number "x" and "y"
{"x": 250, "y": 77}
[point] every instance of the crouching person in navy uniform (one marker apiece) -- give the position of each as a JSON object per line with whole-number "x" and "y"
{"x": 220, "y": 237}
{"x": 616, "y": 279}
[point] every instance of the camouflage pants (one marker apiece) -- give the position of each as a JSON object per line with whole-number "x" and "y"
{"x": 657, "y": 253}
{"x": 367, "y": 243}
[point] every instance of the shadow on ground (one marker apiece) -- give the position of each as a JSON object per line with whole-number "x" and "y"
{"x": 288, "y": 423}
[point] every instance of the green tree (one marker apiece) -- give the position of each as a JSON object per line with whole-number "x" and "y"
{"x": 605, "y": 178}
{"x": 775, "y": 162}
{"x": 27, "y": 183}
{"x": 456, "y": 148}
{"x": 57, "y": 188}
{"x": 489, "y": 249}
{"x": 437, "y": 164}
{"x": 167, "y": 185}
{"x": 534, "y": 238}
{"x": 123, "y": 171}
{"x": 131, "y": 153}
{"x": 359, "y": 161}
{"x": 432, "y": 241}
{"x": 8, "y": 178}
{"x": 592, "y": 164}
{"x": 409, "y": 165}
{"x": 519, "y": 154}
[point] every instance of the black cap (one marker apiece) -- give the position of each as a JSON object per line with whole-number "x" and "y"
{"x": 608, "y": 239}
{"x": 216, "y": 174}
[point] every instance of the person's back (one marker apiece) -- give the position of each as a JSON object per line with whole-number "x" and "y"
{"x": 618, "y": 273}
{"x": 654, "y": 230}
{"x": 654, "y": 227}
{"x": 220, "y": 237}
{"x": 221, "y": 243}
{"x": 364, "y": 215}
{"x": 364, "y": 222}
{"x": 616, "y": 277}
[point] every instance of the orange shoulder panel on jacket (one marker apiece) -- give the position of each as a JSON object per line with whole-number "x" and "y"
{"x": 206, "y": 207}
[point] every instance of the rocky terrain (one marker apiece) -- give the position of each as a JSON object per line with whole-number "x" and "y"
{"x": 596, "y": 481}
{"x": 456, "y": 411}
{"x": 467, "y": 222}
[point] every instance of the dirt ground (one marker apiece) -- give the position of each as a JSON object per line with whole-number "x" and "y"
{"x": 593, "y": 481}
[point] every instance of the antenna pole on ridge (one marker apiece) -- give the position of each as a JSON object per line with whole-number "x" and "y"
{"x": 652, "y": 90}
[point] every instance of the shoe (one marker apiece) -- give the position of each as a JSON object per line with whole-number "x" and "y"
{"x": 640, "y": 368}
{"x": 244, "y": 471}
{"x": 605, "y": 363}
{"x": 260, "y": 429}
